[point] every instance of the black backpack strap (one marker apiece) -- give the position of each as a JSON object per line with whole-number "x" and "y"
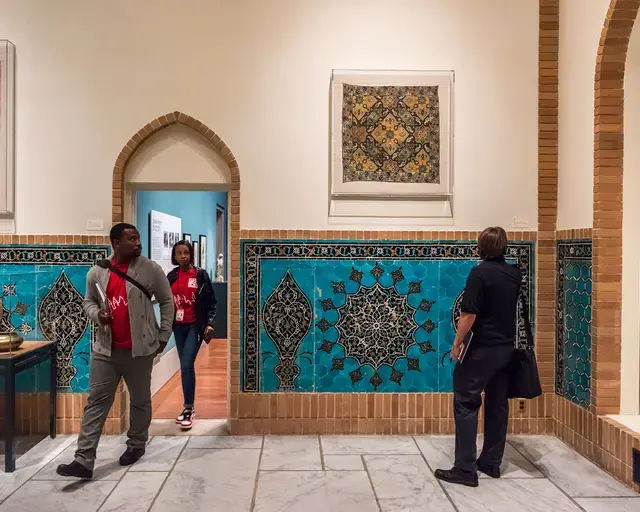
{"x": 109, "y": 266}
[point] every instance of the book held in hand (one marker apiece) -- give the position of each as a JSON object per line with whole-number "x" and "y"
{"x": 465, "y": 346}
{"x": 103, "y": 299}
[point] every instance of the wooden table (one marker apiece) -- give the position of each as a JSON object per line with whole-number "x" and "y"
{"x": 30, "y": 354}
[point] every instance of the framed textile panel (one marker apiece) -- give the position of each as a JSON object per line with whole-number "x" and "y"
{"x": 7, "y": 91}
{"x": 391, "y": 133}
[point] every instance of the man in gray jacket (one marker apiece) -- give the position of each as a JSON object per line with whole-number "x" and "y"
{"x": 118, "y": 300}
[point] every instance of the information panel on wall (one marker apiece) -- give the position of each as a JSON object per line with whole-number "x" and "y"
{"x": 164, "y": 232}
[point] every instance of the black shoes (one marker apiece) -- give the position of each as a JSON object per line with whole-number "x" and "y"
{"x": 492, "y": 471}
{"x": 131, "y": 456}
{"x": 76, "y": 470}
{"x": 457, "y": 476}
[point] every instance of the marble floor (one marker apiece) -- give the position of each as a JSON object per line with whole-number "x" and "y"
{"x": 308, "y": 474}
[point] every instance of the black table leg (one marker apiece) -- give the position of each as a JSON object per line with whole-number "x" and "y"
{"x": 53, "y": 392}
{"x": 9, "y": 419}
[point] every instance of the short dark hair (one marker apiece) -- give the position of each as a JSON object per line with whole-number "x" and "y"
{"x": 173, "y": 252}
{"x": 118, "y": 230}
{"x": 492, "y": 243}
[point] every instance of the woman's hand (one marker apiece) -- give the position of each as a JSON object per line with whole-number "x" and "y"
{"x": 456, "y": 350}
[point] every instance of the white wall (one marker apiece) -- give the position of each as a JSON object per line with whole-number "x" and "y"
{"x": 177, "y": 154}
{"x": 630, "y": 378}
{"x": 91, "y": 74}
{"x": 580, "y": 26}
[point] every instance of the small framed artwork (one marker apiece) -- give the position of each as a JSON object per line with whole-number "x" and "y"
{"x": 203, "y": 251}
{"x": 196, "y": 254}
{"x": 186, "y": 237}
{"x": 7, "y": 127}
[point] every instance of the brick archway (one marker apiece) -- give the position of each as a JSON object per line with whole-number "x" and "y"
{"x": 607, "y": 204}
{"x": 117, "y": 215}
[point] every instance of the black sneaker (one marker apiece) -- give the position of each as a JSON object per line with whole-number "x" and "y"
{"x": 492, "y": 471}
{"x": 457, "y": 476}
{"x": 76, "y": 470}
{"x": 131, "y": 456}
{"x": 187, "y": 419}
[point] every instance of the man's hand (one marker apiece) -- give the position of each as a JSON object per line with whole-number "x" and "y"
{"x": 456, "y": 350}
{"x": 105, "y": 318}
{"x": 208, "y": 334}
{"x": 163, "y": 345}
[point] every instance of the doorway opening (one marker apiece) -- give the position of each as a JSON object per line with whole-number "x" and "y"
{"x": 177, "y": 162}
{"x": 165, "y": 217}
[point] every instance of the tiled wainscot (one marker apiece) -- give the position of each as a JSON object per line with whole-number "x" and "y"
{"x": 351, "y": 316}
{"x": 573, "y": 321}
{"x": 42, "y": 293}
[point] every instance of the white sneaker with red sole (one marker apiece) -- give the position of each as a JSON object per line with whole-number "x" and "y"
{"x": 181, "y": 417}
{"x": 188, "y": 415}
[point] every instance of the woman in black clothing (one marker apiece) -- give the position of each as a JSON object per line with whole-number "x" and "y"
{"x": 195, "y": 304}
{"x": 489, "y": 307}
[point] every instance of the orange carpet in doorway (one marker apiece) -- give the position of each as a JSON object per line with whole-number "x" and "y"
{"x": 211, "y": 386}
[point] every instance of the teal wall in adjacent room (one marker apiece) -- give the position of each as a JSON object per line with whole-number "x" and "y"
{"x": 196, "y": 209}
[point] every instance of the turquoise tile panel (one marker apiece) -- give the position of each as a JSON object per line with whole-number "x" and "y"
{"x": 343, "y": 316}
{"x": 573, "y": 311}
{"x": 42, "y": 292}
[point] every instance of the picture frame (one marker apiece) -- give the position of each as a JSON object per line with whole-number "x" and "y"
{"x": 186, "y": 237}
{"x": 196, "y": 254}
{"x": 356, "y": 173}
{"x": 7, "y": 129}
{"x": 203, "y": 251}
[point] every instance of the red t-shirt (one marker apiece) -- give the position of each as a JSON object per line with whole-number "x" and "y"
{"x": 119, "y": 306}
{"x": 184, "y": 296}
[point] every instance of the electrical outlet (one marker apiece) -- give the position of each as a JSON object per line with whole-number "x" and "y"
{"x": 522, "y": 406}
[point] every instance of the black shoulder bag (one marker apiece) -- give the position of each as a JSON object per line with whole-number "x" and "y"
{"x": 524, "y": 379}
{"x": 109, "y": 266}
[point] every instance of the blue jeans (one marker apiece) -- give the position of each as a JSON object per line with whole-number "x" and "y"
{"x": 188, "y": 345}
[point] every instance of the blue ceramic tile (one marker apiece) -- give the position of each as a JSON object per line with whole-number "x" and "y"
{"x": 61, "y": 319}
{"x": 286, "y": 332}
{"x": 453, "y": 277}
{"x": 380, "y": 303}
{"x": 573, "y": 344}
{"x": 35, "y": 379}
{"x": 18, "y": 299}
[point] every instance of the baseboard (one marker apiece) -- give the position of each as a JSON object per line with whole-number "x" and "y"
{"x": 166, "y": 368}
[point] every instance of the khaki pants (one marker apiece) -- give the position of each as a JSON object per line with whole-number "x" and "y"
{"x": 104, "y": 378}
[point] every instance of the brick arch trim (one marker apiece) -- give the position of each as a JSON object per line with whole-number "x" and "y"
{"x": 119, "y": 170}
{"x": 145, "y": 133}
{"x": 607, "y": 204}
